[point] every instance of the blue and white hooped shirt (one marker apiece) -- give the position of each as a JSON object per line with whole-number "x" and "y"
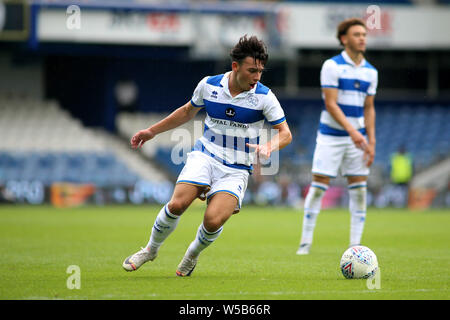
{"x": 232, "y": 122}
{"x": 354, "y": 83}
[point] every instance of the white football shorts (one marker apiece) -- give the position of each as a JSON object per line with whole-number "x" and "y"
{"x": 202, "y": 170}
{"x": 334, "y": 155}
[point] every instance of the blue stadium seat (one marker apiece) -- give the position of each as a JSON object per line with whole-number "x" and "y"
{"x": 422, "y": 128}
{"x": 101, "y": 169}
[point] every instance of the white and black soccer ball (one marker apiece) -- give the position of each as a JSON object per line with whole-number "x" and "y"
{"x": 359, "y": 262}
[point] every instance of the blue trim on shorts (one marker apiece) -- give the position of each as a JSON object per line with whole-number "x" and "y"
{"x": 195, "y": 182}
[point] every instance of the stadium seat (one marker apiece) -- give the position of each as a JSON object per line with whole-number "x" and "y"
{"x": 404, "y": 124}
{"x": 55, "y": 147}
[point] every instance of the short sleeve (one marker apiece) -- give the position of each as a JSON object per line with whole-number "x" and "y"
{"x": 329, "y": 75}
{"x": 273, "y": 112}
{"x": 197, "y": 96}
{"x": 372, "y": 90}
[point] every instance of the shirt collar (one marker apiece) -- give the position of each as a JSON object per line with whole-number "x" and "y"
{"x": 224, "y": 84}
{"x": 350, "y": 61}
{"x": 224, "y": 81}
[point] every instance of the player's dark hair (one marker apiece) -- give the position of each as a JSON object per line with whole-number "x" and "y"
{"x": 249, "y": 47}
{"x": 346, "y": 24}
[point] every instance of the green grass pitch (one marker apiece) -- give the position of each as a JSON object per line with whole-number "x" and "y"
{"x": 254, "y": 258}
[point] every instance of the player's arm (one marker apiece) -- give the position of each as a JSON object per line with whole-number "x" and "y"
{"x": 278, "y": 141}
{"x": 174, "y": 120}
{"x": 369, "y": 119}
{"x": 331, "y": 95}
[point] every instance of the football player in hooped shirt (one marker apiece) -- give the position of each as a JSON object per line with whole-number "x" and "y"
{"x": 346, "y": 136}
{"x": 217, "y": 169}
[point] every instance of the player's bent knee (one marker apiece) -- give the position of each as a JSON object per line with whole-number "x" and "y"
{"x": 177, "y": 207}
{"x": 219, "y": 210}
{"x": 212, "y": 223}
{"x": 212, "y": 227}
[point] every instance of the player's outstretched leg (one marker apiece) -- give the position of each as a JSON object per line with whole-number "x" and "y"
{"x": 165, "y": 223}
{"x": 313, "y": 204}
{"x": 219, "y": 210}
{"x": 202, "y": 240}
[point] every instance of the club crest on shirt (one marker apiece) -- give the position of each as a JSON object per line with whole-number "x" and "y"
{"x": 230, "y": 112}
{"x": 252, "y": 100}
{"x": 357, "y": 84}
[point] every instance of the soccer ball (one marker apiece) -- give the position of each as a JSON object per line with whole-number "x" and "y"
{"x": 359, "y": 262}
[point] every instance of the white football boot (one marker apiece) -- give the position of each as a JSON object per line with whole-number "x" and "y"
{"x": 187, "y": 265}
{"x": 303, "y": 249}
{"x": 136, "y": 260}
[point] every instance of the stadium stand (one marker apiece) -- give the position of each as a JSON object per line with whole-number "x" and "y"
{"x": 42, "y": 142}
{"x": 405, "y": 124}
{"x": 160, "y": 148}
{"x": 397, "y": 124}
